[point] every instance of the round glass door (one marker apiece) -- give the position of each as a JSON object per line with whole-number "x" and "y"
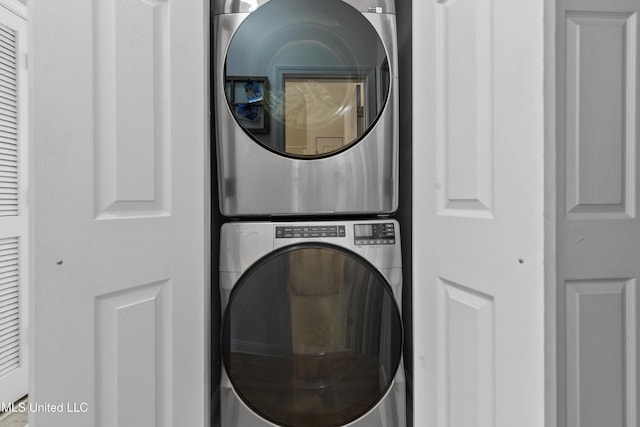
{"x": 311, "y": 336}
{"x": 306, "y": 78}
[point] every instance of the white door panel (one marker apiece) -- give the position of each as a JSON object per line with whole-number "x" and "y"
{"x": 121, "y": 172}
{"x": 598, "y": 227}
{"x": 478, "y": 286}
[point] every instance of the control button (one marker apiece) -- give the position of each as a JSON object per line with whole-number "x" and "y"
{"x": 306, "y": 232}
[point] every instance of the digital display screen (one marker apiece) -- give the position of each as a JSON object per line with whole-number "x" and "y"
{"x": 363, "y": 230}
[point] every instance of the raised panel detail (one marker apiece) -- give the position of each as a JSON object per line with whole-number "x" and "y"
{"x": 467, "y": 357}
{"x": 133, "y": 350}
{"x": 601, "y": 331}
{"x": 464, "y": 122}
{"x": 601, "y": 77}
{"x": 131, "y": 109}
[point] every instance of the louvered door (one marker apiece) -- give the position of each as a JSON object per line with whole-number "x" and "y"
{"x": 13, "y": 212}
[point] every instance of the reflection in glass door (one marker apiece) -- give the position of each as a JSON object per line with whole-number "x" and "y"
{"x": 322, "y": 114}
{"x": 322, "y": 70}
{"x": 312, "y": 336}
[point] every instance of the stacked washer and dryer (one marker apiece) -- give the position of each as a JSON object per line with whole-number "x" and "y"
{"x": 306, "y": 118}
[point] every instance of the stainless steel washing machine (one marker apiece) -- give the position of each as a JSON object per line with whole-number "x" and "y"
{"x": 312, "y": 329}
{"x": 306, "y": 106}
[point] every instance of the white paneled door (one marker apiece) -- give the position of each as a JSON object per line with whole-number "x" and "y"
{"x": 14, "y": 241}
{"x": 478, "y": 285}
{"x": 120, "y": 302}
{"x": 598, "y": 227}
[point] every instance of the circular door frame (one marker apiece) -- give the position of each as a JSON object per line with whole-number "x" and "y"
{"x": 302, "y": 70}
{"x": 255, "y": 266}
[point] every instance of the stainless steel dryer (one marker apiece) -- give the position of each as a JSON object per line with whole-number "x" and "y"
{"x": 312, "y": 332}
{"x": 306, "y": 106}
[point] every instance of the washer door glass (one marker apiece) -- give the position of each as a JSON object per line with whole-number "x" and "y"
{"x": 306, "y": 78}
{"x": 311, "y": 336}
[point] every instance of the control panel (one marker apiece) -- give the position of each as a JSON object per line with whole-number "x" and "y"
{"x": 374, "y": 234}
{"x": 305, "y": 231}
{"x": 363, "y": 234}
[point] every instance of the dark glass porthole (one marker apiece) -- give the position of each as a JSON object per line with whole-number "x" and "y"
{"x": 306, "y": 78}
{"x": 311, "y": 336}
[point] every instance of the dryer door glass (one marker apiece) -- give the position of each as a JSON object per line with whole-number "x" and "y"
{"x": 311, "y": 336}
{"x": 306, "y": 78}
